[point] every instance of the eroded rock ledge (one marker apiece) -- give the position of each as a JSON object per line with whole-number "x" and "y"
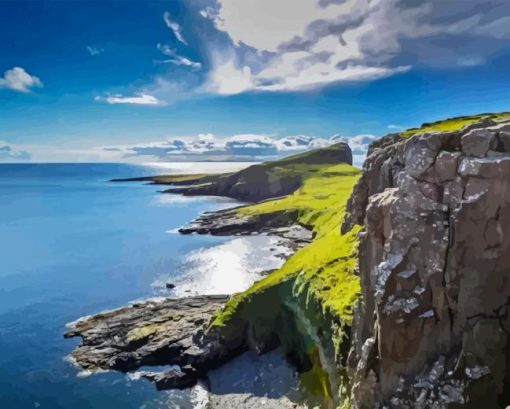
{"x": 433, "y": 328}
{"x": 155, "y": 332}
{"x": 230, "y": 222}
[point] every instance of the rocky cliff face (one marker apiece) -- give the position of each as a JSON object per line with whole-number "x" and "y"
{"x": 432, "y": 329}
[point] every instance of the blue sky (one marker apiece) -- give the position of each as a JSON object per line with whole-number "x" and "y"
{"x": 239, "y": 79}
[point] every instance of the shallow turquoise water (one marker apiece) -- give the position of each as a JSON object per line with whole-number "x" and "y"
{"x": 72, "y": 244}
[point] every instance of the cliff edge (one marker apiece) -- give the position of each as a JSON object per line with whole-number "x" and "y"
{"x": 431, "y": 329}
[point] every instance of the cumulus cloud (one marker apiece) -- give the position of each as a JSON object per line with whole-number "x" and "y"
{"x": 202, "y": 147}
{"x": 227, "y": 79}
{"x": 241, "y": 147}
{"x": 174, "y": 27}
{"x": 177, "y": 59}
{"x": 9, "y": 153}
{"x": 17, "y": 79}
{"x": 311, "y": 43}
{"x": 137, "y": 99}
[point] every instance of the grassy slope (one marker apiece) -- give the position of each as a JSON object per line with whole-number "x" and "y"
{"x": 327, "y": 264}
{"x": 454, "y": 124}
{"x": 324, "y": 269}
{"x": 259, "y": 181}
{"x": 171, "y": 179}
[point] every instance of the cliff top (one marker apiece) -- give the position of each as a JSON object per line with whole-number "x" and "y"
{"x": 455, "y": 123}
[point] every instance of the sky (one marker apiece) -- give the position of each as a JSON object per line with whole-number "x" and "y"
{"x": 239, "y": 80}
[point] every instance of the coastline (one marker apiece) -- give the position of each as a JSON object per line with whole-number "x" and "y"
{"x": 304, "y": 307}
{"x": 191, "y": 348}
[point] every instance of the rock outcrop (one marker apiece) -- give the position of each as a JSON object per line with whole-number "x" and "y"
{"x": 157, "y": 332}
{"x": 231, "y": 222}
{"x": 433, "y": 327}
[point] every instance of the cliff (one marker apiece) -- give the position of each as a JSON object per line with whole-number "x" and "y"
{"x": 403, "y": 306}
{"x": 432, "y": 327}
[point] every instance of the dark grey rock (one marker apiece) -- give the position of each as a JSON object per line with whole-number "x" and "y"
{"x": 162, "y": 332}
{"x": 175, "y": 378}
{"x": 478, "y": 142}
{"x": 432, "y": 328}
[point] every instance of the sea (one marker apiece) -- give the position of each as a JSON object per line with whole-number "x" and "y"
{"x": 72, "y": 243}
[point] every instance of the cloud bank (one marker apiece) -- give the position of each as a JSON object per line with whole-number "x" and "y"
{"x": 241, "y": 147}
{"x": 8, "y": 153}
{"x": 293, "y": 45}
{"x": 202, "y": 147}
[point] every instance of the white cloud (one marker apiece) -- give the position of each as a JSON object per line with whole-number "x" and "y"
{"x": 174, "y": 27}
{"x": 299, "y": 58}
{"x": 300, "y": 142}
{"x": 266, "y": 24}
{"x": 137, "y": 99}
{"x": 209, "y": 13}
{"x": 177, "y": 59}
{"x": 93, "y": 51}
{"x": 17, "y": 79}
{"x": 11, "y": 153}
{"x": 306, "y": 44}
{"x": 202, "y": 147}
{"x": 319, "y": 75}
{"x": 227, "y": 79}
{"x": 395, "y": 127}
{"x": 240, "y": 147}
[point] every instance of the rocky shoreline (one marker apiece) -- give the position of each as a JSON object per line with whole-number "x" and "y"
{"x": 172, "y": 332}
{"x": 228, "y": 222}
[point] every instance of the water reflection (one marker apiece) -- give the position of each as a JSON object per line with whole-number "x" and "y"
{"x": 226, "y": 268}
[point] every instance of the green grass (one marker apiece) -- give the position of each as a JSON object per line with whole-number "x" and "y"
{"x": 142, "y": 332}
{"x": 326, "y": 266}
{"x": 179, "y": 178}
{"x": 454, "y": 124}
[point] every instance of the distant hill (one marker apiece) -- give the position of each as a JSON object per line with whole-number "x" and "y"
{"x": 257, "y": 182}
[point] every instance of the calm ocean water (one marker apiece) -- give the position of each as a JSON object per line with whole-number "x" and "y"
{"x": 72, "y": 244}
